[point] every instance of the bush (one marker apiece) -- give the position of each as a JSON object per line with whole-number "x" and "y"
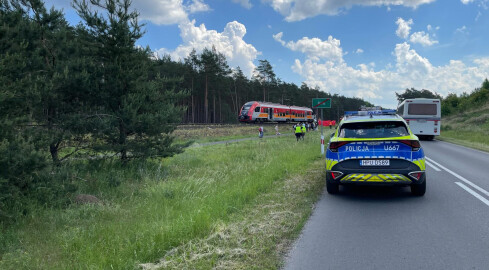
{"x": 452, "y": 103}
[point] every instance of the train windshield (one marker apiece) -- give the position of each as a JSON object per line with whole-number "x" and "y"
{"x": 246, "y": 107}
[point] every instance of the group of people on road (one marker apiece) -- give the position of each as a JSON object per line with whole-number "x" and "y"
{"x": 300, "y": 129}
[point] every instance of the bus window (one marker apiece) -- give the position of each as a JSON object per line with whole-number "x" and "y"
{"x": 422, "y": 109}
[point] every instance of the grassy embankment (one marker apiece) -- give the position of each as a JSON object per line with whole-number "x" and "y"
{"x": 470, "y": 128}
{"x": 230, "y": 206}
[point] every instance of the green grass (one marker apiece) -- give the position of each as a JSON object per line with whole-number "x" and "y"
{"x": 477, "y": 140}
{"x": 469, "y": 129}
{"x": 203, "y": 134}
{"x": 260, "y": 235}
{"x": 152, "y": 208}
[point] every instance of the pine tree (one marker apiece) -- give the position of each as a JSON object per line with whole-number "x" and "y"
{"x": 138, "y": 114}
{"x": 265, "y": 75}
{"x": 212, "y": 65}
{"x": 20, "y": 155}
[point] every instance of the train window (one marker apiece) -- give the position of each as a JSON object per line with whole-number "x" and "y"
{"x": 257, "y": 109}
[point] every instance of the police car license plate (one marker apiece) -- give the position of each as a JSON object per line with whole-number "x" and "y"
{"x": 374, "y": 162}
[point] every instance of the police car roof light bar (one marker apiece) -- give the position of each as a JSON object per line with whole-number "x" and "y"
{"x": 374, "y": 112}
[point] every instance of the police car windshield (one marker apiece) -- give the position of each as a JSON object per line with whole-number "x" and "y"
{"x": 384, "y": 129}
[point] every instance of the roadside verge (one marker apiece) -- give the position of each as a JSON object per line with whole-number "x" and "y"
{"x": 260, "y": 236}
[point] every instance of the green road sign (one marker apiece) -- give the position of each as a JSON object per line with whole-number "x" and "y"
{"x": 321, "y": 103}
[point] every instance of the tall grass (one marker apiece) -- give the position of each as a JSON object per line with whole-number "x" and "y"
{"x": 468, "y": 128}
{"x": 152, "y": 207}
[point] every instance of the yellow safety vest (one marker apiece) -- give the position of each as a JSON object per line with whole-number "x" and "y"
{"x": 298, "y": 129}
{"x": 303, "y": 129}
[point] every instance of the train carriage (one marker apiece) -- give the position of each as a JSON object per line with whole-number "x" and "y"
{"x": 258, "y": 111}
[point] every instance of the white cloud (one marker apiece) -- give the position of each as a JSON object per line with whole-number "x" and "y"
{"x": 359, "y": 51}
{"x": 198, "y": 6}
{"x": 168, "y": 11}
{"x": 409, "y": 63}
{"x": 296, "y": 10}
{"x": 462, "y": 30}
{"x": 244, "y": 3}
{"x": 379, "y": 86}
{"x": 403, "y": 27}
{"x": 229, "y": 42}
{"x": 480, "y": 3}
{"x": 315, "y": 48}
{"x": 157, "y": 11}
{"x": 431, "y": 28}
{"x": 422, "y": 38}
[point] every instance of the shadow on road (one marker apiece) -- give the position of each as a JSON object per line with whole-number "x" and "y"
{"x": 361, "y": 193}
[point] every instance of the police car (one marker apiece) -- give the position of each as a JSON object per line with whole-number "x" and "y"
{"x": 375, "y": 147}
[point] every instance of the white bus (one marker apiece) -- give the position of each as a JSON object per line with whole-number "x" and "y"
{"x": 423, "y": 116}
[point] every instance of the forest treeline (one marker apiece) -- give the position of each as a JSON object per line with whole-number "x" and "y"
{"x": 88, "y": 92}
{"x": 452, "y": 103}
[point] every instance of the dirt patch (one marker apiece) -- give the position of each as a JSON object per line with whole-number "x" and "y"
{"x": 86, "y": 199}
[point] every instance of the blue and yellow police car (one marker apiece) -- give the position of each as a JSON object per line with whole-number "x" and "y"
{"x": 375, "y": 147}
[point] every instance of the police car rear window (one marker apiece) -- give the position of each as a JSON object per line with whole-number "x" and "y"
{"x": 363, "y": 130}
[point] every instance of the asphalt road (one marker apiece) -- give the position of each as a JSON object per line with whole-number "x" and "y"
{"x": 387, "y": 228}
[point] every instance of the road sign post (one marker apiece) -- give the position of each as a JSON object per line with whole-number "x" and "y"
{"x": 321, "y": 103}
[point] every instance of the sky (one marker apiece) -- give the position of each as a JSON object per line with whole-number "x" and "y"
{"x": 358, "y": 48}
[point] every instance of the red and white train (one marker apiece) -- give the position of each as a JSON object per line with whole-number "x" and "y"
{"x": 258, "y": 111}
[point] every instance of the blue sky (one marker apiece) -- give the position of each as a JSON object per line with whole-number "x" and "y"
{"x": 362, "y": 48}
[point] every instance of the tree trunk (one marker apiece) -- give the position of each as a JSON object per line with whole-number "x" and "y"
{"x": 235, "y": 99}
{"x": 264, "y": 97}
{"x": 53, "y": 149}
{"x": 122, "y": 141}
{"x": 214, "y": 110}
{"x": 193, "y": 105}
{"x": 206, "y": 101}
{"x": 220, "y": 108}
{"x": 232, "y": 100}
{"x": 193, "y": 110}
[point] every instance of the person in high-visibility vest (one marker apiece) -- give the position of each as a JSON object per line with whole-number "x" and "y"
{"x": 298, "y": 132}
{"x": 303, "y": 131}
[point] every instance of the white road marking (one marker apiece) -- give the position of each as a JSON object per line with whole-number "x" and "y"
{"x": 475, "y": 194}
{"x": 432, "y": 166}
{"x": 459, "y": 177}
